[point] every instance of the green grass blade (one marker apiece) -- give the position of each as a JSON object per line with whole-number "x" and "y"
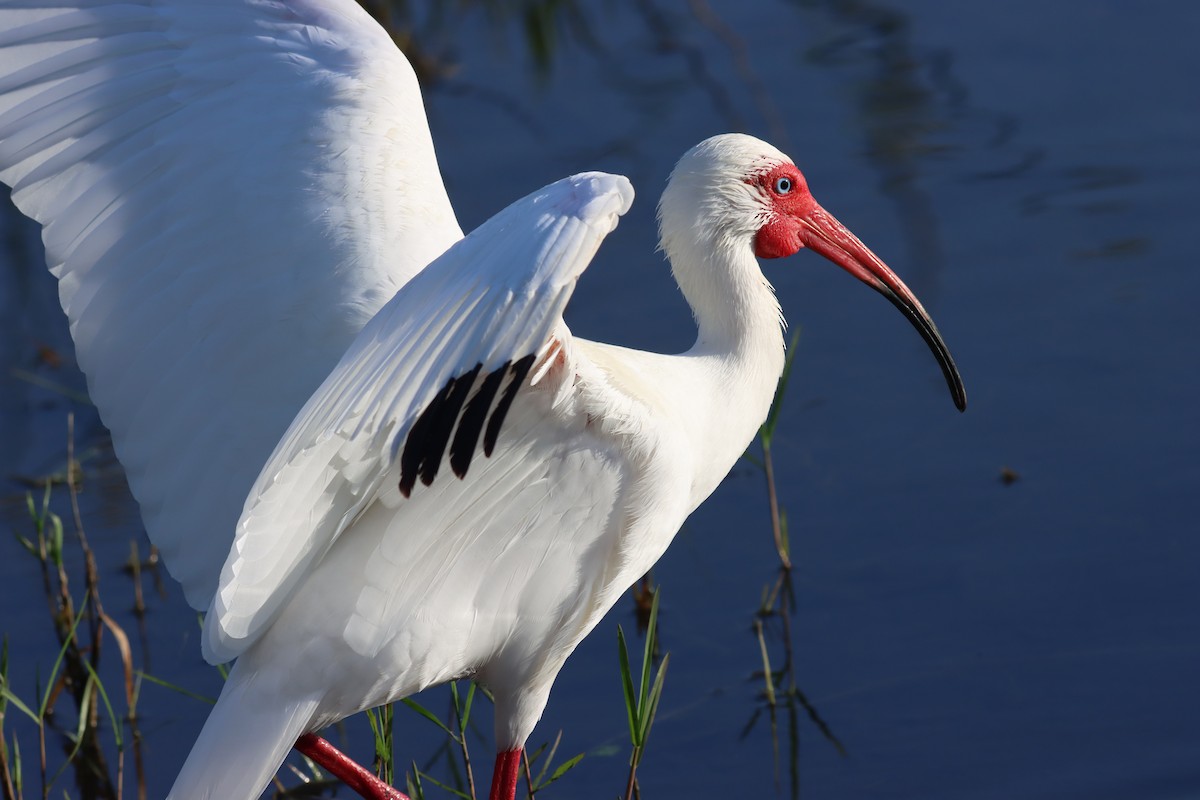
{"x": 456, "y": 702}
{"x": 222, "y": 669}
{"x": 627, "y": 684}
{"x": 62, "y": 653}
{"x": 783, "y": 532}
{"x": 43, "y": 383}
{"x": 56, "y": 540}
{"x": 752, "y": 458}
{"x": 766, "y": 662}
{"x": 373, "y": 718}
{"x": 77, "y": 737}
{"x": 768, "y": 427}
{"x": 415, "y": 790}
{"x": 534, "y": 755}
{"x": 3, "y": 680}
{"x": 380, "y": 720}
{"x": 212, "y": 701}
{"x": 427, "y": 714}
{"x": 562, "y": 769}
{"x": 16, "y": 762}
{"x": 9, "y": 697}
{"x": 648, "y": 657}
{"x": 28, "y": 544}
{"x": 118, "y": 733}
{"x": 466, "y": 714}
{"x": 655, "y": 696}
{"x": 440, "y": 785}
{"x": 767, "y": 431}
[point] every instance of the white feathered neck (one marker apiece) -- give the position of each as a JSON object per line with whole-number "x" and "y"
{"x": 708, "y": 217}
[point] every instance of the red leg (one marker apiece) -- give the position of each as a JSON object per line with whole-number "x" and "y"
{"x": 504, "y": 777}
{"x": 347, "y": 770}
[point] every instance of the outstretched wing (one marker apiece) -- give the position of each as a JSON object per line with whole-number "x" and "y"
{"x": 229, "y": 190}
{"x": 432, "y": 376}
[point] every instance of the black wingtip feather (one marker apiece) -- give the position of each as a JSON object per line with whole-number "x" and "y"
{"x": 466, "y": 438}
{"x": 520, "y": 371}
{"x": 427, "y": 439}
{"x": 425, "y": 446}
{"x": 443, "y": 424}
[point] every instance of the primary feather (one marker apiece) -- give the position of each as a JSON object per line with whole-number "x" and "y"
{"x": 229, "y": 190}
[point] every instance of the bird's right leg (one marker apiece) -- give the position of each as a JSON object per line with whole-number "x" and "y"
{"x": 347, "y": 770}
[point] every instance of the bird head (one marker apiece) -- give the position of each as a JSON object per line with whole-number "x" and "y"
{"x": 737, "y": 192}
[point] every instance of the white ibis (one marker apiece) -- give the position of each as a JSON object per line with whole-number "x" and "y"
{"x": 229, "y": 195}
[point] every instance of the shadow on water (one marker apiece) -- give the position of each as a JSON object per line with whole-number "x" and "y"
{"x": 905, "y": 100}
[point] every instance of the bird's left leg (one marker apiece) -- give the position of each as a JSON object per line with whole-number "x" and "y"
{"x": 504, "y": 776}
{"x": 347, "y": 770}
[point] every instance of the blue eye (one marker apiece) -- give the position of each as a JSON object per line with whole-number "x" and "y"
{"x": 783, "y": 185}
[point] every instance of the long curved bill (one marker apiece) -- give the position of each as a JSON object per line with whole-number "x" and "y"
{"x": 821, "y": 232}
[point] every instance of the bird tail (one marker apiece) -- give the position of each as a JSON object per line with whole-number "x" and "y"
{"x": 243, "y": 743}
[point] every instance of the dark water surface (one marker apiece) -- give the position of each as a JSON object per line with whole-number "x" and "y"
{"x": 1030, "y": 170}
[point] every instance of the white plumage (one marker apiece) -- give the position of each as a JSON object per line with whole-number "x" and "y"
{"x": 229, "y": 190}
{"x": 238, "y": 199}
{"x": 342, "y": 593}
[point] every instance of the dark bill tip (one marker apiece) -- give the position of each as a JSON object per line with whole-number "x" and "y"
{"x": 929, "y": 333}
{"x": 821, "y": 232}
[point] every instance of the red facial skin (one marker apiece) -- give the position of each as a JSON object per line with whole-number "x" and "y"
{"x": 780, "y": 237}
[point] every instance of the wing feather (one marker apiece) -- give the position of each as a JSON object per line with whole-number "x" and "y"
{"x": 469, "y": 573}
{"x": 489, "y": 304}
{"x": 228, "y": 190}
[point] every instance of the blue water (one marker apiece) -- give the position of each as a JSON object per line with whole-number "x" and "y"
{"x": 1030, "y": 170}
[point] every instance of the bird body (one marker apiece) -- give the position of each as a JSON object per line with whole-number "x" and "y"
{"x": 498, "y": 573}
{"x": 449, "y": 483}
